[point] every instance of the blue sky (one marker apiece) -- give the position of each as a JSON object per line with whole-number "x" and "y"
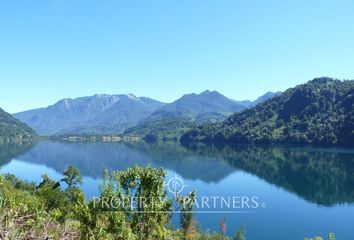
{"x": 52, "y": 49}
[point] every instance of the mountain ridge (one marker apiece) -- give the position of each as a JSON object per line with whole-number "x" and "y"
{"x": 193, "y": 105}
{"x": 320, "y": 111}
{"x": 172, "y": 124}
{"x": 11, "y": 129}
{"x": 78, "y": 112}
{"x": 113, "y": 114}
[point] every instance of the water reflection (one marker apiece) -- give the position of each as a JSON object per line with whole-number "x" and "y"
{"x": 319, "y": 175}
{"x": 10, "y": 151}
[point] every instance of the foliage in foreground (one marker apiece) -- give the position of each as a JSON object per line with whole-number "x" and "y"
{"x": 53, "y": 211}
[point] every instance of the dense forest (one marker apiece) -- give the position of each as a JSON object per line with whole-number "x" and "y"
{"x": 166, "y": 129}
{"x": 320, "y": 111}
{"x": 12, "y": 130}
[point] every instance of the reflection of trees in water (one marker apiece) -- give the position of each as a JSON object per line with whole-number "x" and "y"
{"x": 13, "y": 150}
{"x": 189, "y": 164}
{"x": 90, "y": 158}
{"x": 93, "y": 158}
{"x": 322, "y": 176}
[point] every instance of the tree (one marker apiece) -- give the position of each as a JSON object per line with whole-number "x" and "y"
{"x": 240, "y": 233}
{"x": 72, "y": 176}
{"x": 186, "y": 216}
{"x": 331, "y": 236}
{"x": 142, "y": 210}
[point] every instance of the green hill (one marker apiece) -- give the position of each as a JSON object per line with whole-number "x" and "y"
{"x": 168, "y": 129}
{"x": 12, "y": 129}
{"x": 172, "y": 120}
{"x": 318, "y": 112}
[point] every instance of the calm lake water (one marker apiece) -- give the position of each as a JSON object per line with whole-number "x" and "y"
{"x": 300, "y": 191}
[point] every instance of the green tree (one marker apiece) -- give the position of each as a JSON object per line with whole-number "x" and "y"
{"x": 186, "y": 217}
{"x": 148, "y": 216}
{"x": 240, "y": 233}
{"x": 72, "y": 176}
{"x": 331, "y": 236}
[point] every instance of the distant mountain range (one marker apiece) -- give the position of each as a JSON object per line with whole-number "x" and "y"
{"x": 318, "y": 112}
{"x": 12, "y": 129}
{"x": 172, "y": 120}
{"x": 113, "y": 114}
{"x": 89, "y": 115}
{"x": 207, "y": 106}
{"x": 204, "y": 106}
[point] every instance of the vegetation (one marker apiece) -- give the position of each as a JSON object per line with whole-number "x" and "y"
{"x": 12, "y": 130}
{"x": 9, "y": 151}
{"x": 72, "y": 177}
{"x": 94, "y": 138}
{"x": 318, "y": 112}
{"x": 172, "y": 120}
{"x": 166, "y": 130}
{"x": 207, "y": 106}
{"x": 319, "y": 175}
{"x": 50, "y": 211}
{"x": 329, "y": 237}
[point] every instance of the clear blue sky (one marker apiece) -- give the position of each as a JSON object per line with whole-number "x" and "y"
{"x": 52, "y": 49}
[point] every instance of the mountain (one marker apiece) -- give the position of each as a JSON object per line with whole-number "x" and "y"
{"x": 99, "y": 113}
{"x": 264, "y": 98}
{"x": 318, "y": 112}
{"x": 113, "y": 114}
{"x": 166, "y": 129}
{"x": 260, "y": 99}
{"x": 12, "y": 129}
{"x": 172, "y": 120}
{"x": 197, "y": 106}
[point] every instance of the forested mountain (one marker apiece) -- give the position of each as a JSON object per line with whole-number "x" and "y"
{"x": 172, "y": 120}
{"x": 113, "y": 114}
{"x": 318, "y": 112}
{"x": 264, "y": 98}
{"x": 165, "y": 129}
{"x": 94, "y": 114}
{"x": 196, "y": 106}
{"x": 12, "y": 129}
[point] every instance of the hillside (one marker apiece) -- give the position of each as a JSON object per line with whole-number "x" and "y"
{"x": 12, "y": 129}
{"x": 318, "y": 112}
{"x": 93, "y": 114}
{"x": 114, "y": 114}
{"x": 172, "y": 120}
{"x": 198, "y": 106}
{"x": 166, "y": 129}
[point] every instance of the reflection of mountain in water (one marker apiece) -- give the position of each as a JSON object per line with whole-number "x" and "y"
{"x": 187, "y": 163}
{"x": 90, "y": 158}
{"x": 323, "y": 176}
{"x": 10, "y": 151}
{"x": 93, "y": 158}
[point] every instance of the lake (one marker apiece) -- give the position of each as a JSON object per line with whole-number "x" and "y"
{"x": 299, "y": 191}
